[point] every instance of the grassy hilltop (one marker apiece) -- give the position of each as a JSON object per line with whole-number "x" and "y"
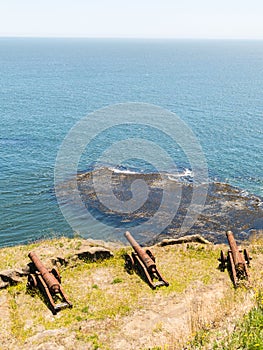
{"x": 200, "y": 309}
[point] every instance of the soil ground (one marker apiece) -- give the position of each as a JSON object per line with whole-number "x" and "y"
{"x": 115, "y": 310}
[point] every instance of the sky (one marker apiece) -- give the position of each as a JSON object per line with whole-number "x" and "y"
{"x": 219, "y": 19}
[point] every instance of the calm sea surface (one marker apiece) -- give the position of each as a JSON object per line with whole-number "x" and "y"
{"x": 47, "y": 85}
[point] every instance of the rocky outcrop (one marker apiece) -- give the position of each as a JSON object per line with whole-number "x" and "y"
{"x": 11, "y": 277}
{"x": 185, "y": 239}
{"x": 85, "y": 253}
{"x": 93, "y": 254}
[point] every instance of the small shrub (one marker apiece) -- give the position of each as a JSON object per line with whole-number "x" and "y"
{"x": 116, "y": 280}
{"x": 85, "y": 309}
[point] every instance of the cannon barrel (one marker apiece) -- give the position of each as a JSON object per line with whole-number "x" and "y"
{"x": 237, "y": 257}
{"x": 48, "y": 277}
{"x": 237, "y": 261}
{"x": 147, "y": 260}
{"x": 144, "y": 263}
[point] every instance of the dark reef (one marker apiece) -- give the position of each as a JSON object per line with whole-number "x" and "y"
{"x": 226, "y": 207}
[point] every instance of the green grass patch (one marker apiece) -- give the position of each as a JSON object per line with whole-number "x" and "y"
{"x": 91, "y": 339}
{"x": 116, "y": 280}
{"x": 248, "y": 333}
{"x": 200, "y": 339}
{"x": 17, "y": 320}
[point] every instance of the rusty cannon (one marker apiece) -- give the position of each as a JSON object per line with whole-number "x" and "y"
{"x": 237, "y": 261}
{"x": 48, "y": 281}
{"x": 144, "y": 263}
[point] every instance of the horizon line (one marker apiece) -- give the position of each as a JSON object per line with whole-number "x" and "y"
{"x": 126, "y": 38}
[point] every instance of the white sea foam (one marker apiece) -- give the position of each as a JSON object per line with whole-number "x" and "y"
{"x": 185, "y": 173}
{"x": 122, "y": 171}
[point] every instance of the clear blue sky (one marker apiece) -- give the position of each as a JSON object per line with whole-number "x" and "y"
{"x": 133, "y": 18}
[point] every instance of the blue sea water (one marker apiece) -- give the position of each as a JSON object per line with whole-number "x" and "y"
{"x": 48, "y": 85}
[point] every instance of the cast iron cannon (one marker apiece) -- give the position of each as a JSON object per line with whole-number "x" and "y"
{"x": 48, "y": 281}
{"x": 237, "y": 261}
{"x": 144, "y": 263}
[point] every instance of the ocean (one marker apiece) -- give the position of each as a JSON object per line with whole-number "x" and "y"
{"x": 49, "y": 85}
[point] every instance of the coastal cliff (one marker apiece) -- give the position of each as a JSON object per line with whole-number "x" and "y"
{"x": 115, "y": 310}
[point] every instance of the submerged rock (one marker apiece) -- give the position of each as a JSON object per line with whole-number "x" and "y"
{"x": 226, "y": 207}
